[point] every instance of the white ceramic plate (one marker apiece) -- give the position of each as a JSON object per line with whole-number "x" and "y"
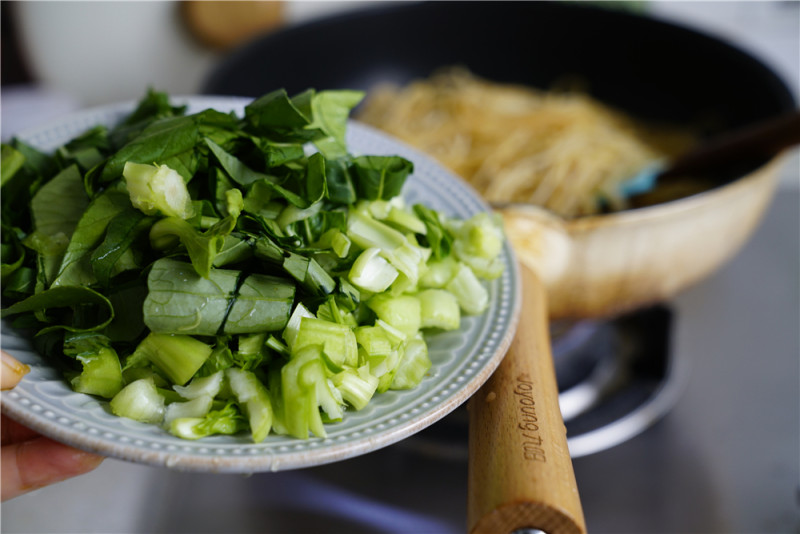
{"x": 462, "y": 360}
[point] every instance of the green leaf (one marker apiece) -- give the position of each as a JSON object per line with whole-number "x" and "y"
{"x": 86, "y": 150}
{"x": 60, "y": 203}
{"x": 275, "y": 112}
{"x": 339, "y": 182}
{"x": 76, "y": 268}
{"x": 309, "y": 273}
{"x": 71, "y": 297}
{"x": 202, "y": 247}
{"x": 180, "y": 301}
{"x": 127, "y": 300}
{"x": 12, "y": 254}
{"x": 436, "y": 237}
{"x": 170, "y": 141}
{"x": 331, "y": 110}
{"x": 153, "y": 106}
{"x": 315, "y": 183}
{"x": 36, "y": 162}
{"x": 381, "y": 177}
{"x": 262, "y": 304}
{"x": 245, "y": 176}
{"x": 19, "y": 284}
{"x": 275, "y": 154}
{"x": 11, "y": 160}
{"x": 50, "y": 253}
{"x": 124, "y": 230}
{"x": 236, "y": 169}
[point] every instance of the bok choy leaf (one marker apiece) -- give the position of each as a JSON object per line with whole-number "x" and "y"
{"x": 219, "y": 274}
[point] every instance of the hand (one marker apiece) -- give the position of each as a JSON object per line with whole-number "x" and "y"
{"x": 30, "y": 461}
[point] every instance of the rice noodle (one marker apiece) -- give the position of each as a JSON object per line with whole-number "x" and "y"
{"x": 561, "y": 150}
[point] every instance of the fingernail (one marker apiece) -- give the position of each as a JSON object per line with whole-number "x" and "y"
{"x": 12, "y": 371}
{"x": 89, "y": 460}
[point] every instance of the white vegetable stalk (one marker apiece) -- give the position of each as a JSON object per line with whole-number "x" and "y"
{"x": 157, "y": 188}
{"x": 372, "y": 272}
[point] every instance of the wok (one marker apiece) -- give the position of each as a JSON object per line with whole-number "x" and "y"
{"x": 588, "y": 266}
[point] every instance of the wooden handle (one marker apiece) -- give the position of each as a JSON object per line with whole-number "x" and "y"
{"x": 520, "y": 471}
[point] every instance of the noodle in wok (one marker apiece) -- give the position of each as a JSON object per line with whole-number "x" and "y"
{"x": 560, "y": 150}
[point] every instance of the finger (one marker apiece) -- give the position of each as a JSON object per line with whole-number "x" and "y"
{"x": 13, "y": 432}
{"x": 11, "y": 371}
{"x": 36, "y": 463}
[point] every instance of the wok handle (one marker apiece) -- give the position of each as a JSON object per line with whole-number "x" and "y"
{"x": 520, "y": 473}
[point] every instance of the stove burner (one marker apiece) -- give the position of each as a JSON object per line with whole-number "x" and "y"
{"x": 616, "y": 378}
{"x": 630, "y": 385}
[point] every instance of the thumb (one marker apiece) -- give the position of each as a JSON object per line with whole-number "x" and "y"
{"x": 11, "y": 371}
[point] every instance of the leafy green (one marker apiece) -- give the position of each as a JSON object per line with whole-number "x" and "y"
{"x": 217, "y": 274}
{"x": 177, "y": 356}
{"x": 381, "y": 177}
{"x": 157, "y": 189}
{"x": 75, "y": 308}
{"x": 58, "y": 205}
{"x": 11, "y": 160}
{"x": 201, "y": 247}
{"x": 102, "y": 373}
{"x": 76, "y": 269}
{"x": 140, "y": 401}
{"x": 436, "y": 236}
{"x": 122, "y": 235}
{"x": 228, "y": 420}
{"x": 170, "y": 141}
{"x": 180, "y": 301}
{"x": 330, "y": 110}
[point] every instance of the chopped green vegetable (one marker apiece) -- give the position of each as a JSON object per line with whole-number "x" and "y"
{"x": 253, "y": 398}
{"x": 372, "y": 272}
{"x": 468, "y": 290}
{"x": 140, "y": 401}
{"x": 402, "y": 312}
{"x": 357, "y": 386}
{"x": 196, "y": 408}
{"x": 413, "y": 366}
{"x": 102, "y": 372}
{"x": 338, "y": 342}
{"x": 439, "y": 309}
{"x": 228, "y": 420}
{"x": 216, "y": 274}
{"x": 179, "y": 357}
{"x": 157, "y": 188}
{"x": 201, "y": 386}
{"x": 306, "y": 389}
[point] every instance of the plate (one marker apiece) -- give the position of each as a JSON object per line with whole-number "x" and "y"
{"x": 462, "y": 360}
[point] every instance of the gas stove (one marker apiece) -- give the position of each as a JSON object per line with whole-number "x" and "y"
{"x": 616, "y": 378}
